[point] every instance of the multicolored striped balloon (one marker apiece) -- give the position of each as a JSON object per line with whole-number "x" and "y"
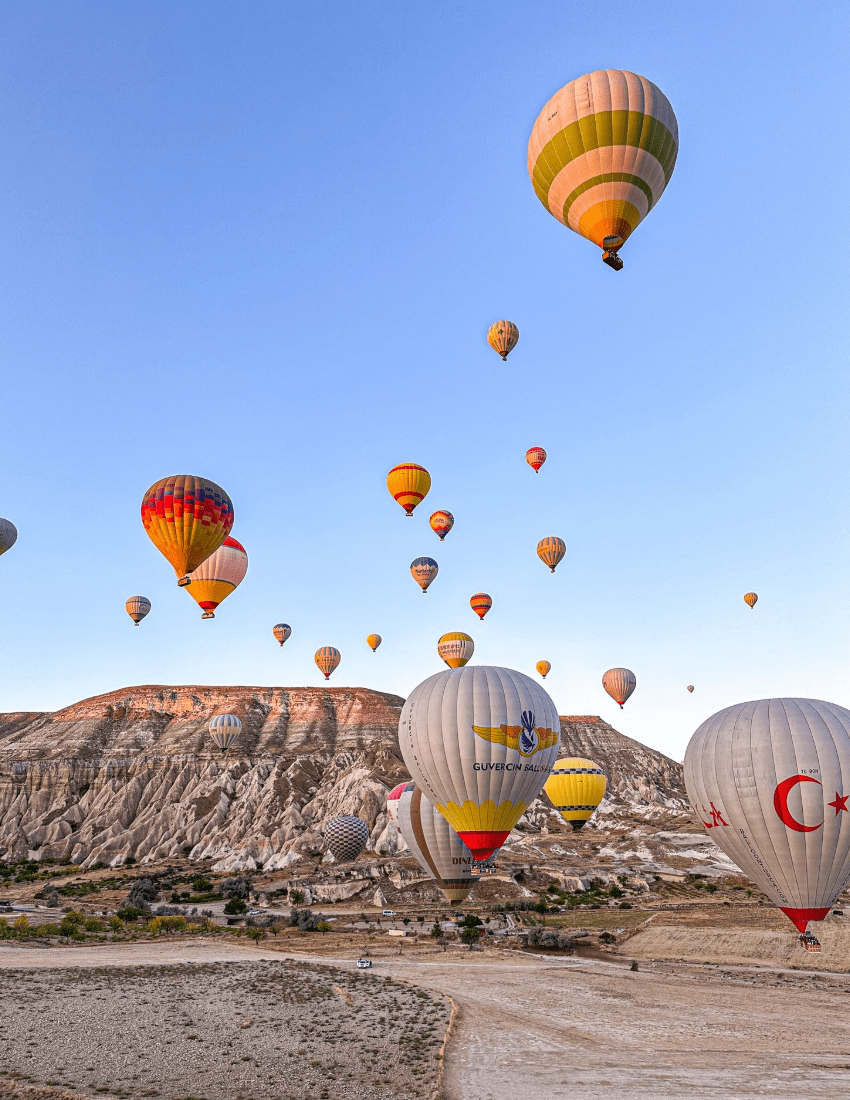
{"x": 535, "y": 457}
{"x": 224, "y": 729}
{"x": 327, "y": 658}
{"x": 480, "y": 603}
{"x": 551, "y": 550}
{"x": 408, "y": 484}
{"x": 503, "y": 337}
{"x": 441, "y": 523}
{"x": 282, "y": 631}
{"x": 137, "y": 607}
{"x": 187, "y": 518}
{"x": 601, "y": 153}
{"x": 218, "y": 576}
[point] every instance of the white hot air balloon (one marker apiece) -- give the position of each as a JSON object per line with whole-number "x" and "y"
{"x": 480, "y": 742}
{"x": 224, "y": 730}
{"x": 435, "y": 845}
{"x": 770, "y": 781}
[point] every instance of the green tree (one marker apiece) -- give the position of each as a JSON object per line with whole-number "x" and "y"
{"x": 323, "y": 926}
{"x": 235, "y": 906}
{"x": 469, "y": 936}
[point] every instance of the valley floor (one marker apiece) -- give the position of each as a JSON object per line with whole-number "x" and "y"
{"x": 572, "y": 1028}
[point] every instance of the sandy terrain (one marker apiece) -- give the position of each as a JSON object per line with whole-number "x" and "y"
{"x": 526, "y": 1026}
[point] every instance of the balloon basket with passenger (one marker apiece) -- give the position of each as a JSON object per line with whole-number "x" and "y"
{"x": 810, "y": 942}
{"x": 611, "y": 246}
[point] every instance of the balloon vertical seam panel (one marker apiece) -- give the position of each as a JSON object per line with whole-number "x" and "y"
{"x": 841, "y": 864}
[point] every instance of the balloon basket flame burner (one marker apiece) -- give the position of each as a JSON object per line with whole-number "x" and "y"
{"x": 184, "y": 581}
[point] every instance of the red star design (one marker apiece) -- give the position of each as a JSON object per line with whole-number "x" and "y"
{"x": 840, "y": 803}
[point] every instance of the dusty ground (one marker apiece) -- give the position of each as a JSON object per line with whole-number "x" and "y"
{"x": 527, "y": 1026}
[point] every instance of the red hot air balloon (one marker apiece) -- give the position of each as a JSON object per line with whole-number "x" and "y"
{"x": 535, "y": 457}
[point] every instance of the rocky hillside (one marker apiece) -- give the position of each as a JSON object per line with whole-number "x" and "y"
{"x": 133, "y": 773}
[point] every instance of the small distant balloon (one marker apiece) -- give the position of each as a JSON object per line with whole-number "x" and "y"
{"x": 503, "y": 337}
{"x": 282, "y": 632}
{"x": 423, "y": 571}
{"x": 137, "y": 607}
{"x": 456, "y": 648}
{"x": 690, "y": 687}
{"x": 441, "y": 523}
{"x": 535, "y": 457}
{"x": 8, "y": 535}
{"x": 751, "y": 598}
{"x": 544, "y": 668}
{"x": 480, "y": 604}
{"x": 327, "y": 658}
{"x": 224, "y": 729}
{"x": 619, "y": 683}
{"x": 551, "y": 550}
{"x": 373, "y": 641}
{"x": 408, "y": 484}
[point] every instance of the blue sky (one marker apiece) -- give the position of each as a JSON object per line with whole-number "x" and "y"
{"x": 263, "y": 243}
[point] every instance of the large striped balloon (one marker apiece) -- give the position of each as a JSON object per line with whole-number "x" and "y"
{"x": 216, "y": 578}
{"x": 408, "y": 484}
{"x": 435, "y": 845}
{"x": 770, "y": 781}
{"x": 601, "y": 153}
{"x": 187, "y": 519}
{"x": 224, "y": 729}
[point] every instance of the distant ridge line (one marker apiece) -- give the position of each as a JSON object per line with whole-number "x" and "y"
{"x": 592, "y": 718}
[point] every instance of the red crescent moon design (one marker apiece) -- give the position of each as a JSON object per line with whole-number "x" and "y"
{"x": 780, "y": 802}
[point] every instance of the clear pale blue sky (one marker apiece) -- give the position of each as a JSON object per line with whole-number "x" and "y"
{"x": 263, "y": 243}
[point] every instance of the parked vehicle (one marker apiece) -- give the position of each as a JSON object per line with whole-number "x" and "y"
{"x": 364, "y": 964}
{"x": 389, "y": 913}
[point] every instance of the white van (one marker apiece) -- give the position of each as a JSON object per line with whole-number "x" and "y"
{"x": 389, "y": 913}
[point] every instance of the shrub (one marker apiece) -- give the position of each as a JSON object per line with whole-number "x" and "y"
{"x": 323, "y": 926}
{"x": 634, "y": 965}
{"x": 92, "y": 924}
{"x": 297, "y": 898}
{"x": 237, "y": 887}
{"x": 625, "y": 905}
{"x": 711, "y": 887}
{"x": 469, "y": 936}
{"x": 436, "y": 931}
{"x": 130, "y": 861}
{"x": 22, "y": 923}
{"x": 607, "y": 937}
{"x": 541, "y": 907}
{"x": 115, "y": 924}
{"x": 235, "y": 906}
{"x": 616, "y": 892}
{"x": 142, "y": 893}
{"x": 201, "y": 885}
{"x": 129, "y": 913}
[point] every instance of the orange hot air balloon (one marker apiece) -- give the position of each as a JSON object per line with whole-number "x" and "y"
{"x": 544, "y": 668}
{"x": 535, "y": 457}
{"x": 751, "y": 598}
{"x": 327, "y": 658}
{"x": 503, "y": 337}
{"x": 480, "y": 604}
{"x": 441, "y": 523}
{"x": 408, "y": 484}
{"x": 373, "y": 641}
{"x": 551, "y": 550}
{"x": 282, "y": 631}
{"x": 187, "y": 519}
{"x": 218, "y": 576}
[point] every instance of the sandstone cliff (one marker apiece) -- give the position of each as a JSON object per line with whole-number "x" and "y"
{"x": 132, "y": 773}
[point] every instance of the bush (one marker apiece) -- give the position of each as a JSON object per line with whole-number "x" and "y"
{"x": 616, "y": 892}
{"x": 115, "y": 924}
{"x": 541, "y": 907}
{"x": 129, "y": 913}
{"x": 201, "y": 885}
{"x": 142, "y": 893}
{"x": 607, "y": 937}
{"x": 130, "y": 861}
{"x": 324, "y": 926}
{"x": 235, "y": 906}
{"x": 625, "y": 905}
{"x": 711, "y": 887}
{"x": 469, "y": 936}
{"x": 436, "y": 931}
{"x": 92, "y": 924}
{"x": 237, "y": 887}
{"x": 296, "y": 897}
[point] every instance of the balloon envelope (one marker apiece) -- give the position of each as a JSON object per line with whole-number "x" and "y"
{"x": 601, "y": 153}
{"x": 346, "y": 837}
{"x": 480, "y": 603}
{"x": 327, "y": 658}
{"x": 690, "y": 687}
{"x": 282, "y": 631}
{"x": 575, "y": 788}
{"x": 8, "y": 535}
{"x": 373, "y": 641}
{"x": 551, "y": 550}
{"x": 392, "y": 800}
{"x": 619, "y": 683}
{"x": 218, "y": 576}
{"x": 751, "y": 598}
{"x": 535, "y": 457}
{"x": 456, "y": 648}
{"x": 435, "y": 845}
{"x": 479, "y": 742}
{"x": 408, "y": 484}
{"x": 137, "y": 607}
{"x": 423, "y": 571}
{"x": 224, "y": 729}
{"x": 544, "y": 668}
{"x": 441, "y": 523}
{"x": 503, "y": 337}
{"x": 187, "y": 518}
{"x": 770, "y": 781}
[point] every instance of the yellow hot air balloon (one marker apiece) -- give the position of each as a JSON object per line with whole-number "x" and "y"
{"x": 408, "y": 484}
{"x": 575, "y": 788}
{"x": 456, "y": 648}
{"x": 327, "y": 658}
{"x": 551, "y": 550}
{"x": 751, "y": 598}
{"x": 503, "y": 337}
{"x": 373, "y": 641}
{"x": 601, "y": 153}
{"x": 441, "y": 523}
{"x": 187, "y": 519}
{"x": 544, "y": 668}
{"x": 218, "y": 576}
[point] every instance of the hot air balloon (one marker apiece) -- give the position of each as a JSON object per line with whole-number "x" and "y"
{"x": 408, "y": 484}
{"x": 282, "y": 631}
{"x": 770, "y": 782}
{"x": 690, "y": 687}
{"x": 224, "y": 729}
{"x": 619, "y": 683}
{"x": 187, "y": 519}
{"x": 751, "y": 598}
{"x": 218, "y": 576}
{"x": 373, "y": 641}
{"x": 575, "y": 788}
{"x": 423, "y": 571}
{"x": 346, "y": 837}
{"x": 435, "y": 845}
{"x": 551, "y": 550}
{"x": 137, "y": 607}
{"x": 8, "y": 535}
{"x": 480, "y": 604}
{"x": 392, "y": 800}
{"x": 503, "y": 337}
{"x": 544, "y": 668}
{"x": 601, "y": 153}
{"x": 327, "y": 658}
{"x": 456, "y": 648}
{"x": 479, "y": 742}
{"x": 441, "y": 523}
{"x": 535, "y": 457}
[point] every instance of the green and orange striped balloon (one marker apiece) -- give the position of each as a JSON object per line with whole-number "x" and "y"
{"x": 601, "y": 153}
